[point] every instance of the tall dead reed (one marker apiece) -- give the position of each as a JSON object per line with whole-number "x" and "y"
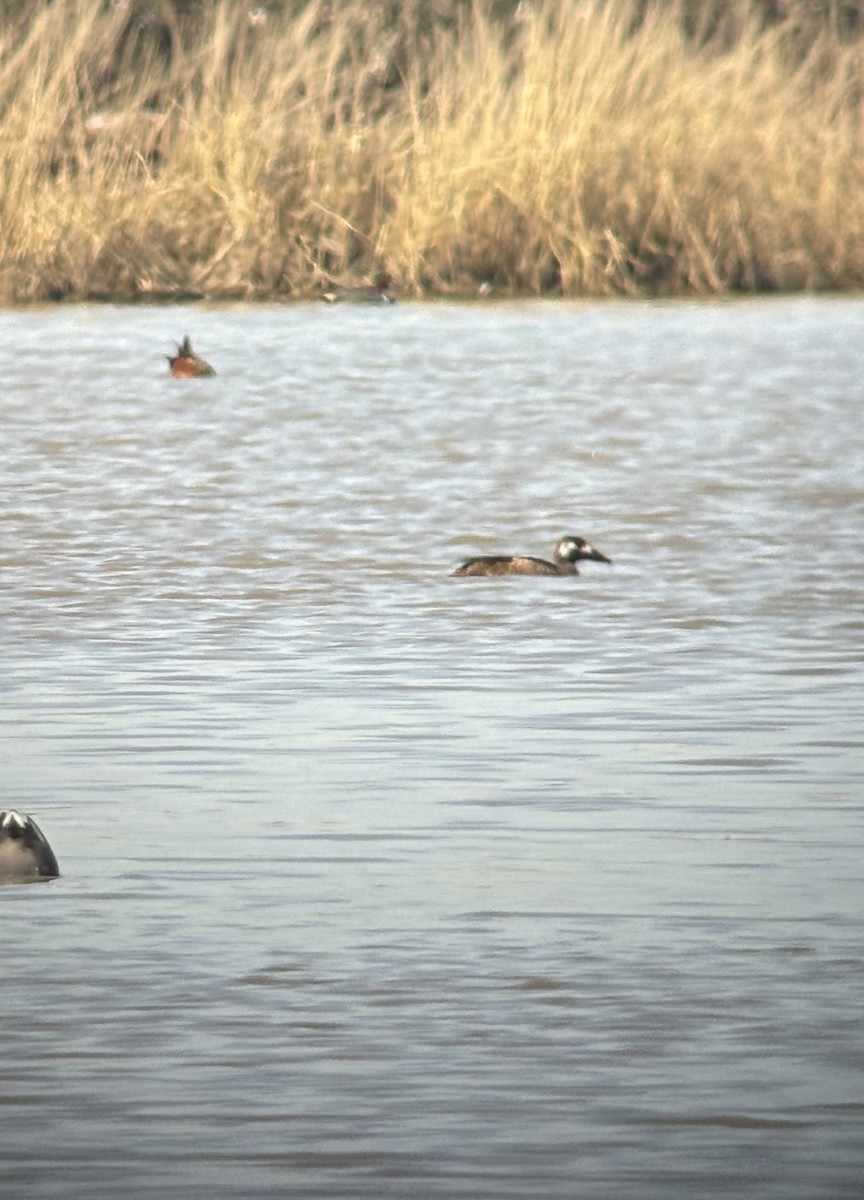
{"x": 545, "y": 147}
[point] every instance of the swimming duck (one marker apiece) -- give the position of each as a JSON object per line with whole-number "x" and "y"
{"x": 374, "y": 293}
{"x": 24, "y": 851}
{"x": 569, "y": 551}
{"x": 186, "y": 364}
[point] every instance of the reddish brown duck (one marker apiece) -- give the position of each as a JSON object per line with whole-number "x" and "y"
{"x": 186, "y": 364}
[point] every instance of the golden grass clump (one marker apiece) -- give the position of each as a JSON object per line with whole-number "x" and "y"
{"x": 551, "y": 146}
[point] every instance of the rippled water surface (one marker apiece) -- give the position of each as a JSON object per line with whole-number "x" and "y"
{"x": 378, "y": 882}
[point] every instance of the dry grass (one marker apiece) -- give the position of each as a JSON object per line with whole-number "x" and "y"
{"x": 565, "y": 147}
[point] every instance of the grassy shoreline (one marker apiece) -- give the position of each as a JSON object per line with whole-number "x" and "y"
{"x": 556, "y": 148}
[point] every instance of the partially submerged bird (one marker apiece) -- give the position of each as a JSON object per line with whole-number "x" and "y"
{"x": 25, "y": 855}
{"x": 569, "y": 551}
{"x": 374, "y": 293}
{"x": 186, "y": 364}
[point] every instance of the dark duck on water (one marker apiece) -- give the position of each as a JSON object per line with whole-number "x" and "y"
{"x": 569, "y": 552}
{"x": 376, "y": 292}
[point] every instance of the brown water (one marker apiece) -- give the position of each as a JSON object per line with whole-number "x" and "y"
{"x": 382, "y": 883}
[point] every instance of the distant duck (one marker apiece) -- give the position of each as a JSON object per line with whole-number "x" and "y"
{"x": 24, "y": 851}
{"x": 186, "y": 364}
{"x": 569, "y": 551}
{"x": 374, "y": 293}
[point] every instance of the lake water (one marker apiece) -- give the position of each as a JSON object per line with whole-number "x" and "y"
{"x": 381, "y": 883}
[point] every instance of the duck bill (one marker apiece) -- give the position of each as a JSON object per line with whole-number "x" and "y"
{"x": 596, "y": 555}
